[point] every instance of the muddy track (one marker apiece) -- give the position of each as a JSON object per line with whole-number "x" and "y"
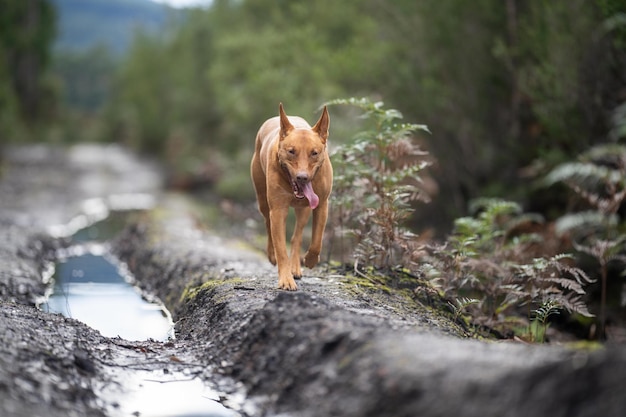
{"x": 333, "y": 349}
{"x": 336, "y": 347}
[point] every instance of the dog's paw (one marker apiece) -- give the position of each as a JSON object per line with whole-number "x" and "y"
{"x": 311, "y": 259}
{"x": 296, "y": 270}
{"x": 287, "y": 284}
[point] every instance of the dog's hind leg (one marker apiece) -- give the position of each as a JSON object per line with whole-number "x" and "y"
{"x": 302, "y": 218}
{"x": 260, "y": 184}
{"x": 271, "y": 254}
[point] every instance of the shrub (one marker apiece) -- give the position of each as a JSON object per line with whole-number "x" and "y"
{"x": 484, "y": 262}
{"x": 377, "y": 179}
{"x": 599, "y": 179}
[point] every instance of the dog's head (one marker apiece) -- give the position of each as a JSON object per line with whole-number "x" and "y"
{"x": 301, "y": 153}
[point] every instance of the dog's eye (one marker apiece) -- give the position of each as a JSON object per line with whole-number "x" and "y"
{"x": 314, "y": 153}
{"x": 291, "y": 151}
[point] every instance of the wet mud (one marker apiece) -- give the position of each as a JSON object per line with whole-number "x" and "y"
{"x": 335, "y": 347}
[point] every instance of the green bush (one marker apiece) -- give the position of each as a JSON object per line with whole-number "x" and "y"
{"x": 489, "y": 270}
{"x": 377, "y": 178}
{"x": 598, "y": 179}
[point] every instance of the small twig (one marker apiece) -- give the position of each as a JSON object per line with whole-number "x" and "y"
{"x": 241, "y": 287}
{"x": 356, "y": 269}
{"x": 171, "y": 380}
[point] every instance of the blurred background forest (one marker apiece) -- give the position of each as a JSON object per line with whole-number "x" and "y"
{"x": 509, "y": 88}
{"x": 519, "y": 95}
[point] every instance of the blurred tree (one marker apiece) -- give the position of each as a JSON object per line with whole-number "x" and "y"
{"x": 227, "y": 68}
{"x": 298, "y": 52}
{"x": 442, "y": 71}
{"x": 500, "y": 84}
{"x": 86, "y": 77}
{"x": 27, "y": 29}
{"x": 206, "y": 85}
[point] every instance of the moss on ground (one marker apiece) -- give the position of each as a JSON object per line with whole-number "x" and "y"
{"x": 192, "y": 290}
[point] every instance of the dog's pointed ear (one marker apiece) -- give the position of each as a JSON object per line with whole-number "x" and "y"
{"x": 285, "y": 125}
{"x": 322, "y": 125}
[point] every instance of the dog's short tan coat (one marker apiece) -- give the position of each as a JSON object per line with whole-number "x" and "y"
{"x": 291, "y": 168}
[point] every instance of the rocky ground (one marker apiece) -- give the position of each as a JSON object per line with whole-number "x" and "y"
{"x": 336, "y": 347}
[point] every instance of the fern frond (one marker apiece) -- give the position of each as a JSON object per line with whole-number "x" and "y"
{"x": 582, "y": 174}
{"x": 523, "y": 220}
{"x": 575, "y": 305}
{"x": 576, "y": 273}
{"x": 566, "y": 284}
{"x": 619, "y": 118}
{"x": 461, "y": 304}
{"x": 412, "y": 127}
{"x": 546, "y": 309}
{"x": 585, "y": 220}
{"x": 603, "y": 249}
{"x": 362, "y": 102}
{"x": 613, "y": 154}
{"x": 561, "y": 256}
{"x": 494, "y": 207}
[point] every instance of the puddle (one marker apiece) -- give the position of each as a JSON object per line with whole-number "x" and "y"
{"x": 156, "y": 394}
{"x": 90, "y": 285}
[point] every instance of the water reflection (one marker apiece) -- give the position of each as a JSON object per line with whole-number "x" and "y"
{"x": 157, "y": 395}
{"x": 89, "y": 286}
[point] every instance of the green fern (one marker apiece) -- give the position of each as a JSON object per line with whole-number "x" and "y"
{"x": 547, "y": 309}
{"x": 584, "y": 174}
{"x": 619, "y": 121}
{"x": 483, "y": 260}
{"x": 552, "y": 278}
{"x": 599, "y": 178}
{"x": 538, "y": 325}
{"x": 585, "y": 223}
{"x": 460, "y": 304}
{"x": 608, "y": 153}
{"x": 377, "y": 181}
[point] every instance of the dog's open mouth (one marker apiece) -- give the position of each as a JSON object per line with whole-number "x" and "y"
{"x": 305, "y": 189}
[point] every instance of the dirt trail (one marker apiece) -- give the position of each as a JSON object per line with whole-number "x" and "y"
{"x": 333, "y": 348}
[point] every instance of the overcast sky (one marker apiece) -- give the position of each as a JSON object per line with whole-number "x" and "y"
{"x": 185, "y": 3}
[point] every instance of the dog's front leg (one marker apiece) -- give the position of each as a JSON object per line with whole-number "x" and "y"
{"x": 302, "y": 218}
{"x": 278, "y": 218}
{"x": 320, "y": 215}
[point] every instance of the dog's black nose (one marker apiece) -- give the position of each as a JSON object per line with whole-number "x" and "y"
{"x": 302, "y": 177}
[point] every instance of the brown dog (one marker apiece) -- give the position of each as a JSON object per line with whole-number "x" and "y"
{"x": 290, "y": 167}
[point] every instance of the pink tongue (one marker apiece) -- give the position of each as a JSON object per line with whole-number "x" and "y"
{"x": 314, "y": 200}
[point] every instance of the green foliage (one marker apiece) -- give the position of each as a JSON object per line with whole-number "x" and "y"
{"x": 550, "y": 280}
{"x": 483, "y": 260}
{"x": 598, "y": 178}
{"x": 501, "y": 86}
{"x": 223, "y": 71}
{"x": 206, "y": 85}
{"x": 479, "y": 234}
{"x": 27, "y": 94}
{"x": 86, "y": 78}
{"x": 618, "y": 121}
{"x": 376, "y": 181}
{"x": 461, "y": 304}
{"x": 539, "y": 324}
{"x": 614, "y": 12}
